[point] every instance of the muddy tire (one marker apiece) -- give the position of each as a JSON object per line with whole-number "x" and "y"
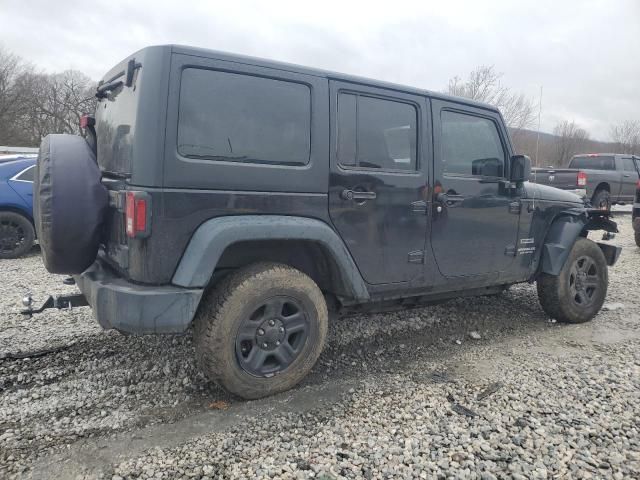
{"x": 261, "y": 330}
{"x": 16, "y": 235}
{"x": 578, "y": 292}
{"x": 601, "y": 200}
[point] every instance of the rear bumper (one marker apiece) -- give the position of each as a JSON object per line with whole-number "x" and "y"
{"x": 132, "y": 308}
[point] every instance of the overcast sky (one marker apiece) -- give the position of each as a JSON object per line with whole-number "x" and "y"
{"x": 585, "y": 53}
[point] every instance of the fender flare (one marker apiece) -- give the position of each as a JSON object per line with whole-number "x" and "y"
{"x": 561, "y": 235}
{"x": 212, "y": 238}
{"x": 563, "y": 232}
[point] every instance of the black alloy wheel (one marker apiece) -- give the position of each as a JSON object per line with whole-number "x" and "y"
{"x": 584, "y": 281}
{"x": 272, "y": 337}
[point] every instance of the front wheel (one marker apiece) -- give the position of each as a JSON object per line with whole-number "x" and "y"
{"x": 636, "y": 230}
{"x": 16, "y": 235}
{"x": 578, "y": 292}
{"x": 261, "y": 330}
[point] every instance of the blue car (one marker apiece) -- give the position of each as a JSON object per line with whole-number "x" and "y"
{"x": 17, "y": 233}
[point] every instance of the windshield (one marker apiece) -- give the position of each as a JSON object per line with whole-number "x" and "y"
{"x": 597, "y": 162}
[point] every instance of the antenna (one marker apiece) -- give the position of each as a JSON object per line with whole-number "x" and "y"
{"x": 538, "y": 136}
{"x": 535, "y": 172}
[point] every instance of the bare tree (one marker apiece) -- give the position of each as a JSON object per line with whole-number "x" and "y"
{"x": 484, "y": 85}
{"x": 60, "y": 101}
{"x": 570, "y": 139}
{"x": 626, "y": 136}
{"x": 14, "y": 94}
{"x": 34, "y": 104}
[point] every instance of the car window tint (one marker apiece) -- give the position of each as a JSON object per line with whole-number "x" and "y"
{"x": 376, "y": 133}
{"x": 387, "y": 135}
{"x": 594, "y": 162}
{"x": 27, "y": 175}
{"x": 347, "y": 129}
{"x": 243, "y": 118}
{"x": 471, "y": 146}
{"x": 629, "y": 165}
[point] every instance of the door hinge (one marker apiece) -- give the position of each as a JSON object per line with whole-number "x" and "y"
{"x": 510, "y": 250}
{"x": 515, "y": 207}
{"x": 419, "y": 206}
{"x": 417, "y": 256}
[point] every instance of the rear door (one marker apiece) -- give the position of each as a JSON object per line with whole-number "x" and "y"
{"x": 378, "y": 179}
{"x": 22, "y": 184}
{"x": 629, "y": 179}
{"x": 475, "y": 219}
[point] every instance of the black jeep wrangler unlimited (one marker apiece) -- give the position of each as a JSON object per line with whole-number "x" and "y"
{"x": 250, "y": 198}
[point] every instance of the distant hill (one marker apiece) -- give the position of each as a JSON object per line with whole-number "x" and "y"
{"x": 525, "y": 143}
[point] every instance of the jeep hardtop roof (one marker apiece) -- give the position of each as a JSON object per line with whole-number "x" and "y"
{"x": 290, "y": 67}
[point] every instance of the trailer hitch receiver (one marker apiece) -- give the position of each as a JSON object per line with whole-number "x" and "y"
{"x": 59, "y": 302}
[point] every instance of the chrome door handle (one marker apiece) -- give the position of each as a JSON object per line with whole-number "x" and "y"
{"x": 347, "y": 194}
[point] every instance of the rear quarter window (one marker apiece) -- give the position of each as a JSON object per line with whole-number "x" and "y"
{"x": 243, "y": 118}
{"x": 593, "y": 163}
{"x": 26, "y": 175}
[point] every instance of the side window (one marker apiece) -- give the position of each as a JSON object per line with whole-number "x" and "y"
{"x": 243, "y": 118}
{"x": 27, "y": 175}
{"x": 629, "y": 165}
{"x": 376, "y": 133}
{"x": 471, "y": 146}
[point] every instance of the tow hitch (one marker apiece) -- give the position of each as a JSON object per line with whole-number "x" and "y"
{"x": 59, "y": 302}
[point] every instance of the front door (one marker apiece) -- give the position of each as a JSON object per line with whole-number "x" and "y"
{"x": 378, "y": 177}
{"x": 475, "y": 216}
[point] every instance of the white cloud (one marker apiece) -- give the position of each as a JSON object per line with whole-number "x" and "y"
{"x": 584, "y": 52}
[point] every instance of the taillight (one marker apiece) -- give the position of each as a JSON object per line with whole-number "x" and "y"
{"x": 137, "y": 214}
{"x": 582, "y": 179}
{"x": 638, "y": 185}
{"x": 87, "y": 121}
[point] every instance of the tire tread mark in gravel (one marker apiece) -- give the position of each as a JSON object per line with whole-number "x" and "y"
{"x": 34, "y": 353}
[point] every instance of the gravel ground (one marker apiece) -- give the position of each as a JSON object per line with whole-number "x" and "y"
{"x": 474, "y": 388}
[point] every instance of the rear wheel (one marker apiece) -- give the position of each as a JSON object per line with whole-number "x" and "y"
{"x": 636, "y": 230}
{"x": 578, "y": 292}
{"x": 261, "y": 330}
{"x": 16, "y": 235}
{"x": 601, "y": 200}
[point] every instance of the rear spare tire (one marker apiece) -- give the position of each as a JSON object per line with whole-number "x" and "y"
{"x": 69, "y": 203}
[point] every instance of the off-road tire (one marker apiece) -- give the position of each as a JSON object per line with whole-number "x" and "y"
{"x": 602, "y": 200}
{"x": 554, "y": 291}
{"x": 223, "y": 310}
{"x": 12, "y": 223}
{"x": 636, "y": 230}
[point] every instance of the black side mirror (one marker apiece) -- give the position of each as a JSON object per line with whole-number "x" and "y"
{"x": 520, "y": 170}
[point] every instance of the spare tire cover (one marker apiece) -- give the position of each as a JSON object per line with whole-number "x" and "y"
{"x": 69, "y": 203}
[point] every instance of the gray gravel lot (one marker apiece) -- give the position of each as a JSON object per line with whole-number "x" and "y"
{"x": 397, "y": 395}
